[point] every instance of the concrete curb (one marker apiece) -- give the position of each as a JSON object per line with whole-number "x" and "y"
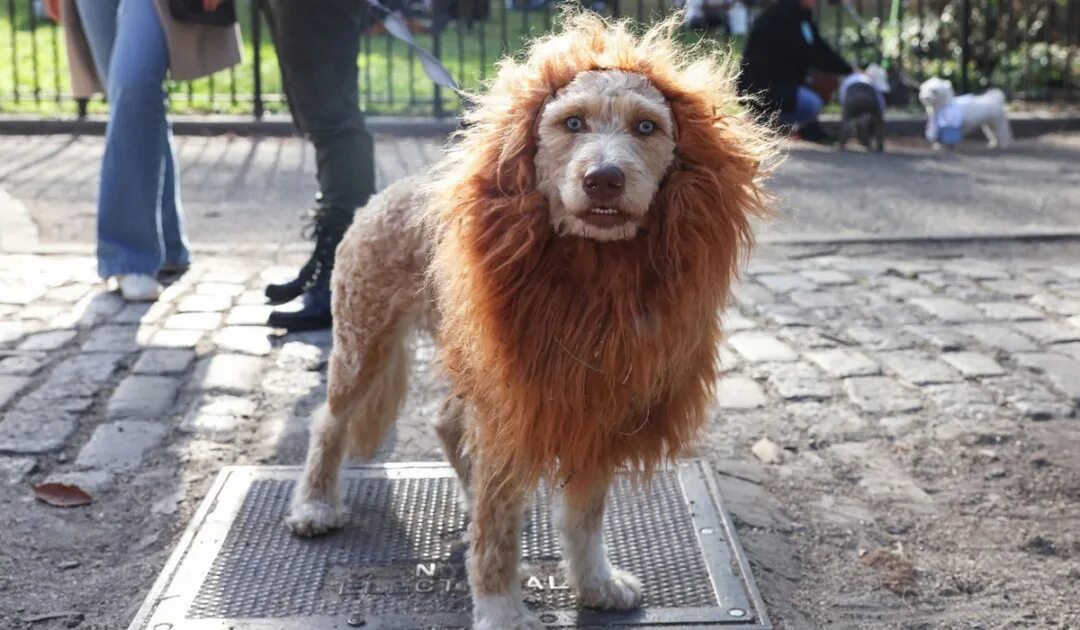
{"x": 897, "y": 124}
{"x": 276, "y": 125}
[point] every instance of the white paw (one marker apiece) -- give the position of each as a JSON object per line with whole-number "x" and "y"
{"x": 314, "y": 518}
{"x": 503, "y": 612}
{"x": 621, "y": 591}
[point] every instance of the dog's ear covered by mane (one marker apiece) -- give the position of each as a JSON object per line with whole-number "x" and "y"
{"x": 581, "y": 357}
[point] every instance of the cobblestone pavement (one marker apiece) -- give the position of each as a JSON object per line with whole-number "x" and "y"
{"x": 896, "y": 432}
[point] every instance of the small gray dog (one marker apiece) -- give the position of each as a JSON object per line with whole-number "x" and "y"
{"x": 862, "y": 103}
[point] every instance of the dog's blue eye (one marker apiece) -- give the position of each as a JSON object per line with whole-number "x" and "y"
{"x": 646, "y": 127}
{"x": 574, "y": 123}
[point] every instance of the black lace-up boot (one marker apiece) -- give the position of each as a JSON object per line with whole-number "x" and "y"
{"x": 326, "y": 227}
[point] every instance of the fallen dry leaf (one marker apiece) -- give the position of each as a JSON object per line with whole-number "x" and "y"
{"x": 897, "y": 570}
{"x": 62, "y": 495}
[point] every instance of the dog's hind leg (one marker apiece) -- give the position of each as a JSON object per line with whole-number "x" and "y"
{"x": 450, "y": 427}
{"x": 494, "y": 551}
{"x": 598, "y": 584}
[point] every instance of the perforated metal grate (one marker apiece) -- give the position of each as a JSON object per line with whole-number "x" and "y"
{"x": 401, "y": 557}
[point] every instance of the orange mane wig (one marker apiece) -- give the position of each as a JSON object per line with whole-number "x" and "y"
{"x": 580, "y": 357}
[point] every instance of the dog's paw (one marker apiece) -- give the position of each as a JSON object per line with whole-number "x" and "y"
{"x": 314, "y": 518}
{"x": 621, "y": 591}
{"x": 503, "y": 612}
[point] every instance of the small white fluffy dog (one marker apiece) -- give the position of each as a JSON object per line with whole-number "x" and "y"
{"x": 951, "y": 117}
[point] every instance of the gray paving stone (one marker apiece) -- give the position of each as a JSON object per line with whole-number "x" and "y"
{"x": 296, "y": 355}
{"x": 115, "y": 339}
{"x": 48, "y": 340}
{"x": 844, "y": 363}
{"x": 828, "y": 277}
{"x": 748, "y": 295}
{"x": 133, "y": 313}
{"x": 757, "y": 347}
{"x": 176, "y": 338}
{"x": 973, "y": 364}
{"x": 11, "y": 332}
{"x": 145, "y": 397}
{"x": 1031, "y": 398}
{"x": 881, "y": 477}
{"x": 786, "y": 315}
{"x": 218, "y": 415}
{"x": 1062, "y": 372}
{"x": 156, "y": 361}
{"x": 1055, "y": 304}
{"x": 10, "y": 386}
{"x": 14, "y": 469}
{"x": 253, "y": 340}
{"x": 252, "y": 315}
{"x": 883, "y": 338}
{"x": 1000, "y": 337}
{"x": 69, "y": 293}
{"x": 193, "y": 321}
{"x": 881, "y": 394}
{"x": 899, "y": 425}
{"x": 28, "y": 432}
{"x": 1068, "y": 349}
{"x": 800, "y": 381}
{"x": 739, "y": 392}
{"x": 80, "y": 376}
{"x": 827, "y": 422}
{"x": 813, "y": 299}
{"x": 24, "y": 365}
{"x": 725, "y": 358}
{"x": 51, "y": 314}
{"x": 1009, "y": 311}
{"x": 918, "y": 368}
{"x": 203, "y": 303}
{"x": 785, "y": 282}
{"x": 943, "y": 338}
{"x": 948, "y": 309}
{"x": 120, "y": 446}
{"x": 806, "y": 337}
{"x": 901, "y": 287}
{"x": 1049, "y": 332}
{"x": 230, "y": 372}
{"x": 90, "y": 311}
{"x": 93, "y": 482}
{"x": 976, "y": 269}
{"x": 252, "y": 297}
{"x": 219, "y": 288}
{"x": 19, "y": 294}
{"x": 910, "y": 268}
{"x": 1013, "y": 288}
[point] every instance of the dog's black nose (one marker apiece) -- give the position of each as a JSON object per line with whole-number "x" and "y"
{"x": 605, "y": 182}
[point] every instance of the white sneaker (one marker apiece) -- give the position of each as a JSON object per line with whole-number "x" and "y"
{"x": 139, "y": 287}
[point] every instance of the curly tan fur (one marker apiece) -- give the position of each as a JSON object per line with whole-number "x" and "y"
{"x": 574, "y": 349}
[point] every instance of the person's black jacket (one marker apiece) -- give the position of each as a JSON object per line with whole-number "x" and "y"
{"x": 777, "y": 57}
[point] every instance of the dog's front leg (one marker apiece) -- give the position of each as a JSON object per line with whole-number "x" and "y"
{"x": 495, "y": 550}
{"x": 598, "y": 584}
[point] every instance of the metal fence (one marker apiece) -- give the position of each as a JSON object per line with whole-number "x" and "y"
{"x": 1027, "y": 47}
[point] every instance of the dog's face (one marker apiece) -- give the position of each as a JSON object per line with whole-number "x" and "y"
{"x": 604, "y": 144}
{"x": 936, "y": 93}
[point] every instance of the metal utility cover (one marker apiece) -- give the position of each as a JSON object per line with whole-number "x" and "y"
{"x": 399, "y": 563}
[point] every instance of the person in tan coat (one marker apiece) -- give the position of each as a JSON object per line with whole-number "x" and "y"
{"x": 126, "y": 48}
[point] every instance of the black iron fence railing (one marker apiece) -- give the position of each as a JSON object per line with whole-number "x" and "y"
{"x": 1027, "y": 47}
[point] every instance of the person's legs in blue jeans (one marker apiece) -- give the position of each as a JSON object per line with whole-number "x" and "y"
{"x": 807, "y": 107}
{"x": 139, "y": 225}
